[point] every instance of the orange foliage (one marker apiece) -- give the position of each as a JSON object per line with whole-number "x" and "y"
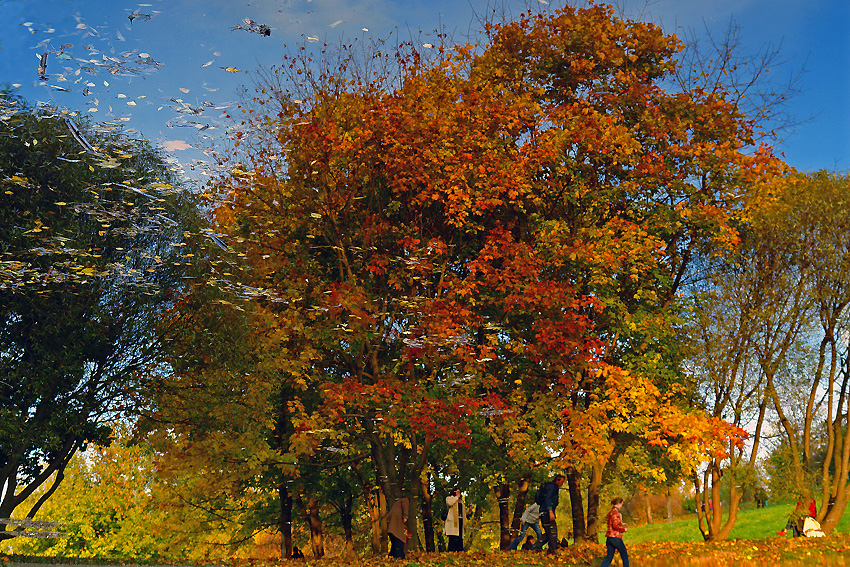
{"x": 499, "y": 239}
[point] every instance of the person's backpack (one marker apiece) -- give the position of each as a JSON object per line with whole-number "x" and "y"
{"x": 444, "y": 515}
{"x": 540, "y": 496}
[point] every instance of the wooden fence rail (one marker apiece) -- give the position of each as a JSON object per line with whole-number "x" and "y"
{"x": 33, "y": 528}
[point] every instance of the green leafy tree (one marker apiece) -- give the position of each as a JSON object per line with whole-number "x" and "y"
{"x": 108, "y": 501}
{"x": 88, "y": 223}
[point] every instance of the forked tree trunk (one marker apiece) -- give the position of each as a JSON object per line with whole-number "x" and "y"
{"x": 310, "y": 513}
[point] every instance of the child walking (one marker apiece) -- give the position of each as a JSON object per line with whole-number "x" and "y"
{"x": 614, "y": 535}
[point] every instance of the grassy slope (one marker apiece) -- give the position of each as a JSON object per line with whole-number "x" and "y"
{"x": 752, "y": 523}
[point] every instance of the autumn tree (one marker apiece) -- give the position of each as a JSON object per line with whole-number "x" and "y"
{"x": 108, "y": 503}
{"x": 769, "y": 323}
{"x": 809, "y": 213}
{"x": 722, "y": 359}
{"x": 648, "y": 203}
{"x": 89, "y": 222}
{"x": 218, "y": 416}
{"x": 491, "y": 235}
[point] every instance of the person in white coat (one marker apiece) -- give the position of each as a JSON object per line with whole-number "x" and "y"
{"x": 529, "y": 520}
{"x": 454, "y": 520}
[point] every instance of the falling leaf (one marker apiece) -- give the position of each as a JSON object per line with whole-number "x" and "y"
{"x": 185, "y": 90}
{"x": 207, "y": 64}
{"x": 231, "y": 69}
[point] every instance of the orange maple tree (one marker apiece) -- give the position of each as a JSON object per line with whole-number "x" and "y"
{"x": 494, "y": 234}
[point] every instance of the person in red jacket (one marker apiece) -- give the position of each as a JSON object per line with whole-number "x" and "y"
{"x": 614, "y": 535}
{"x": 796, "y": 519}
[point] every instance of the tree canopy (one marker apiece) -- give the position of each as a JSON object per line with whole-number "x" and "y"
{"x": 491, "y": 238}
{"x": 88, "y": 262}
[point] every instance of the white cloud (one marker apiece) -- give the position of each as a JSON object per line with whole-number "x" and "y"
{"x": 173, "y": 145}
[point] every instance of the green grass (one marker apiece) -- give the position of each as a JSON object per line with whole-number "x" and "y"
{"x": 752, "y": 523}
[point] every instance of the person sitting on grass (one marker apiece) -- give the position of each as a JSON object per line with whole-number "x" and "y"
{"x": 798, "y": 516}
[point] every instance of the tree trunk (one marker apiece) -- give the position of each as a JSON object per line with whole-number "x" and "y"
{"x": 576, "y": 504}
{"x": 648, "y": 507}
{"x": 373, "y": 503}
{"x": 701, "y": 504}
{"x": 346, "y": 519}
{"x": 836, "y": 511}
{"x": 723, "y": 529}
{"x": 502, "y": 493}
{"x": 842, "y": 469}
{"x": 382, "y": 500}
{"x": 522, "y": 490}
{"x": 310, "y": 513}
{"x": 427, "y": 513}
{"x": 593, "y": 493}
{"x": 284, "y": 523}
{"x": 835, "y": 496}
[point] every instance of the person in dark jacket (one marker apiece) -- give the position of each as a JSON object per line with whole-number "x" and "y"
{"x": 548, "y": 504}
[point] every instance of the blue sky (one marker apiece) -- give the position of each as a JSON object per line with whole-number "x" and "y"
{"x": 170, "y": 74}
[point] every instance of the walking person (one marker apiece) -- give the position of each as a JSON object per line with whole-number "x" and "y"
{"x": 614, "y": 534}
{"x": 547, "y": 498}
{"x": 529, "y": 520}
{"x": 397, "y": 527}
{"x": 454, "y": 520}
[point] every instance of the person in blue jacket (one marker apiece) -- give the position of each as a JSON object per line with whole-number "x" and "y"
{"x": 548, "y": 500}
